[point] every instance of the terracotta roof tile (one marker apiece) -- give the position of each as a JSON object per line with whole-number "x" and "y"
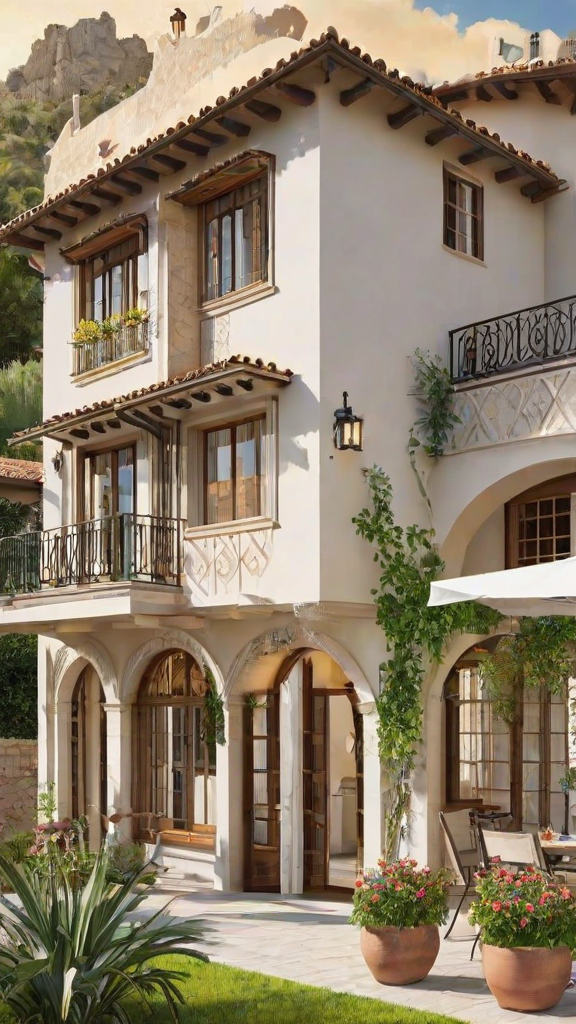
{"x": 564, "y": 67}
{"x": 257, "y": 366}
{"x": 329, "y": 42}
{"x": 21, "y": 469}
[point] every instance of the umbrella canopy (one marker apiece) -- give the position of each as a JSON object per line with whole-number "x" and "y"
{"x": 545, "y": 589}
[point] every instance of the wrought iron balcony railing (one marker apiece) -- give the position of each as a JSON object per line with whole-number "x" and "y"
{"x": 525, "y": 338}
{"x": 127, "y": 341}
{"x": 120, "y": 547}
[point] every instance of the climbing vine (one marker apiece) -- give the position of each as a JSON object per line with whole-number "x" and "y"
{"x": 213, "y": 721}
{"x": 435, "y": 394}
{"x": 415, "y": 636}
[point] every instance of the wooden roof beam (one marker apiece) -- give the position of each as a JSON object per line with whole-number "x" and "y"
{"x": 145, "y": 172}
{"x": 192, "y": 147}
{"x": 234, "y": 127}
{"x": 64, "y": 218}
{"x": 349, "y": 96}
{"x": 49, "y": 232}
{"x": 224, "y": 389}
{"x": 296, "y": 94}
{"x": 531, "y": 189}
{"x": 115, "y": 424}
{"x": 505, "y": 90}
{"x": 267, "y": 111}
{"x": 483, "y": 94}
{"x": 473, "y": 156}
{"x": 78, "y": 432}
{"x": 437, "y": 135}
{"x": 404, "y": 116}
{"x": 170, "y": 161}
{"x": 508, "y": 174}
{"x": 24, "y": 242}
{"x": 547, "y": 193}
{"x": 201, "y": 396}
{"x": 214, "y": 138}
{"x": 132, "y": 188}
{"x": 547, "y": 93}
{"x": 454, "y": 97}
{"x": 177, "y": 403}
{"x": 105, "y": 193}
{"x": 98, "y": 427}
{"x": 90, "y": 209}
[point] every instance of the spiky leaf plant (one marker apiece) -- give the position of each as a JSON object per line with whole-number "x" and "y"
{"x": 71, "y": 955}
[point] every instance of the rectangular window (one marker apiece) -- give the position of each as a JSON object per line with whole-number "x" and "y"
{"x": 463, "y": 215}
{"x": 539, "y": 523}
{"x": 115, "y": 280}
{"x": 109, "y": 483}
{"x": 233, "y": 472}
{"x": 235, "y": 233}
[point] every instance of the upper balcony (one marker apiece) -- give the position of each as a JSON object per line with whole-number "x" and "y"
{"x": 126, "y": 342}
{"x": 515, "y": 376}
{"x": 116, "y": 548}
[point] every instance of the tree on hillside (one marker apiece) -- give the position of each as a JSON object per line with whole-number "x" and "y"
{"x": 20, "y": 306}
{"x": 20, "y": 406}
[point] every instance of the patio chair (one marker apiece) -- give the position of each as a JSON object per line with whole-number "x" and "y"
{"x": 463, "y": 862}
{"x": 515, "y": 848}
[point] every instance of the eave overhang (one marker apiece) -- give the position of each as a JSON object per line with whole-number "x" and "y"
{"x": 263, "y": 98}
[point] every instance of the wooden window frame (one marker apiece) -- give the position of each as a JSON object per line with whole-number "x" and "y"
{"x": 109, "y": 241}
{"x": 264, "y": 172}
{"x": 200, "y": 833}
{"x": 476, "y": 217}
{"x": 86, "y": 458}
{"x": 560, "y": 487}
{"x": 232, "y": 425}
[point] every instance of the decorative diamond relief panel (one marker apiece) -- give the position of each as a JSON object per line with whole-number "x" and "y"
{"x": 220, "y": 568}
{"x": 526, "y": 407}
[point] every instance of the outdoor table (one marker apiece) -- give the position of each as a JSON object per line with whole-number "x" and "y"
{"x": 555, "y": 848}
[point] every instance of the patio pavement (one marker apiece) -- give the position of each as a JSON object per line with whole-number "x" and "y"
{"x": 309, "y": 940}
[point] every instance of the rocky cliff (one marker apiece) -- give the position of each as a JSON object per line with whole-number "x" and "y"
{"x": 79, "y": 60}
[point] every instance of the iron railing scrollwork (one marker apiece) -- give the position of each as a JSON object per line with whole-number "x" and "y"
{"x": 527, "y": 337}
{"x": 127, "y": 341}
{"x": 115, "y": 548}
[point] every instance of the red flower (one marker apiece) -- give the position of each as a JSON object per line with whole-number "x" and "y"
{"x": 529, "y": 908}
{"x": 516, "y": 899}
{"x": 420, "y": 894}
{"x": 358, "y": 883}
{"x": 523, "y": 922}
{"x": 398, "y": 886}
{"x": 507, "y": 904}
{"x": 518, "y": 883}
{"x": 502, "y": 873}
{"x": 496, "y": 906}
{"x": 374, "y": 898}
{"x": 530, "y": 869}
{"x": 565, "y": 894}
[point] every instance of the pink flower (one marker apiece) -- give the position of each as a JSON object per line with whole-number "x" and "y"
{"x": 402, "y": 863}
{"x": 516, "y": 899}
{"x": 426, "y": 871}
{"x": 518, "y": 883}
{"x": 420, "y": 894}
{"x": 495, "y": 860}
{"x": 529, "y": 908}
{"x": 413, "y": 863}
{"x": 566, "y": 894}
{"x": 398, "y": 886}
{"x": 374, "y": 898}
{"x": 523, "y": 922}
{"x": 496, "y": 906}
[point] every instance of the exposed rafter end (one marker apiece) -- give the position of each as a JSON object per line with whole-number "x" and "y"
{"x": 233, "y": 126}
{"x": 506, "y": 91}
{"x": 547, "y": 93}
{"x": 483, "y": 94}
{"x": 404, "y": 116}
{"x": 349, "y": 96}
{"x": 508, "y": 174}
{"x": 132, "y": 188}
{"x": 296, "y": 94}
{"x": 473, "y": 156}
{"x": 23, "y": 242}
{"x": 549, "y": 193}
{"x": 267, "y": 111}
{"x": 446, "y": 131}
{"x": 192, "y": 147}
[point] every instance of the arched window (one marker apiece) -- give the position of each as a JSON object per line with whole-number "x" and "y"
{"x": 174, "y": 789}
{"x": 88, "y": 750}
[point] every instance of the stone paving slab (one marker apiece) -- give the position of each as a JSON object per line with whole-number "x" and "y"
{"x": 310, "y": 941}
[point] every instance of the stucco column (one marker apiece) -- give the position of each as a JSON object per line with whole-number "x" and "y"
{"x": 119, "y": 757}
{"x": 291, "y": 796}
{"x": 228, "y": 864}
{"x": 373, "y": 803}
{"x": 62, "y": 759}
{"x": 45, "y": 719}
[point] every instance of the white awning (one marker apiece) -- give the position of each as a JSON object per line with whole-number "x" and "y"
{"x": 545, "y": 589}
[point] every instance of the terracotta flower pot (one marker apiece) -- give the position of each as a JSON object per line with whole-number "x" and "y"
{"x": 527, "y": 979}
{"x": 400, "y": 956}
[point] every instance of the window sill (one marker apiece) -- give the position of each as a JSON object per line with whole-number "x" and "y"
{"x": 464, "y": 256}
{"x": 235, "y": 526}
{"x": 108, "y": 369}
{"x": 240, "y": 298}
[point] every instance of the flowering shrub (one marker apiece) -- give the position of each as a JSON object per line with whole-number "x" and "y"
{"x": 402, "y": 895}
{"x": 91, "y": 331}
{"x": 523, "y": 908}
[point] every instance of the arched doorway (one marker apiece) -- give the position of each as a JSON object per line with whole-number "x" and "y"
{"x": 303, "y": 778}
{"x": 174, "y": 779}
{"x": 491, "y": 764}
{"x": 89, "y": 762}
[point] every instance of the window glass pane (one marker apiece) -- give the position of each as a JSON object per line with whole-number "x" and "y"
{"x": 219, "y": 494}
{"x": 142, "y": 285}
{"x": 248, "y": 446}
{"x": 243, "y": 253}
{"x": 117, "y": 289}
{"x": 97, "y": 312}
{"x": 126, "y": 480}
{"x": 102, "y": 492}
{"x": 226, "y": 255}
{"x": 212, "y": 260}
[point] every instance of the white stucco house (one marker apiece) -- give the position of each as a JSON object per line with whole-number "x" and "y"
{"x": 288, "y": 221}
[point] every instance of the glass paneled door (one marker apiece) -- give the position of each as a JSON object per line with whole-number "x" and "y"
{"x": 109, "y": 501}
{"x": 262, "y": 794}
{"x": 315, "y": 781}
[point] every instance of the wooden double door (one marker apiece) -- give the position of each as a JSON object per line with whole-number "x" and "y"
{"x": 262, "y": 846}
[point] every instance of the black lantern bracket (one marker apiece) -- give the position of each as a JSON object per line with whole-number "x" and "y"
{"x": 347, "y": 428}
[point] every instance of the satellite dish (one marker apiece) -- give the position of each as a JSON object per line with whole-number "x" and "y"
{"x": 510, "y": 52}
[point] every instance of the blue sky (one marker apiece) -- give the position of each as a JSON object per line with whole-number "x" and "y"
{"x": 559, "y": 15}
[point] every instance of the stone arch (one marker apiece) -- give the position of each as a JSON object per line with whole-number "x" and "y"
{"x": 69, "y": 662}
{"x": 142, "y": 656}
{"x": 292, "y": 638}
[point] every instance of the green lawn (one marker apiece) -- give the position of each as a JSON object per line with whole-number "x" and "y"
{"x": 215, "y": 994}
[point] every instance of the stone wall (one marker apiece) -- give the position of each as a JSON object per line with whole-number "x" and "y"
{"x": 18, "y": 784}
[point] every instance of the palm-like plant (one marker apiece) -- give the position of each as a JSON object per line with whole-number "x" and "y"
{"x": 70, "y": 954}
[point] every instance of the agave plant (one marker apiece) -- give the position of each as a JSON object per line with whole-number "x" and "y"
{"x": 70, "y": 955}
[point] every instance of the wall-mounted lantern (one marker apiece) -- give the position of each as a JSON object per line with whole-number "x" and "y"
{"x": 58, "y": 460}
{"x": 178, "y": 22}
{"x": 347, "y": 428}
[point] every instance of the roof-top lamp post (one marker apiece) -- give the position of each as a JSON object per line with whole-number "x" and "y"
{"x": 178, "y": 22}
{"x": 347, "y": 428}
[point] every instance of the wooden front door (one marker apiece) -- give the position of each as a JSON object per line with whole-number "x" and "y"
{"x": 262, "y": 795}
{"x": 315, "y": 781}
